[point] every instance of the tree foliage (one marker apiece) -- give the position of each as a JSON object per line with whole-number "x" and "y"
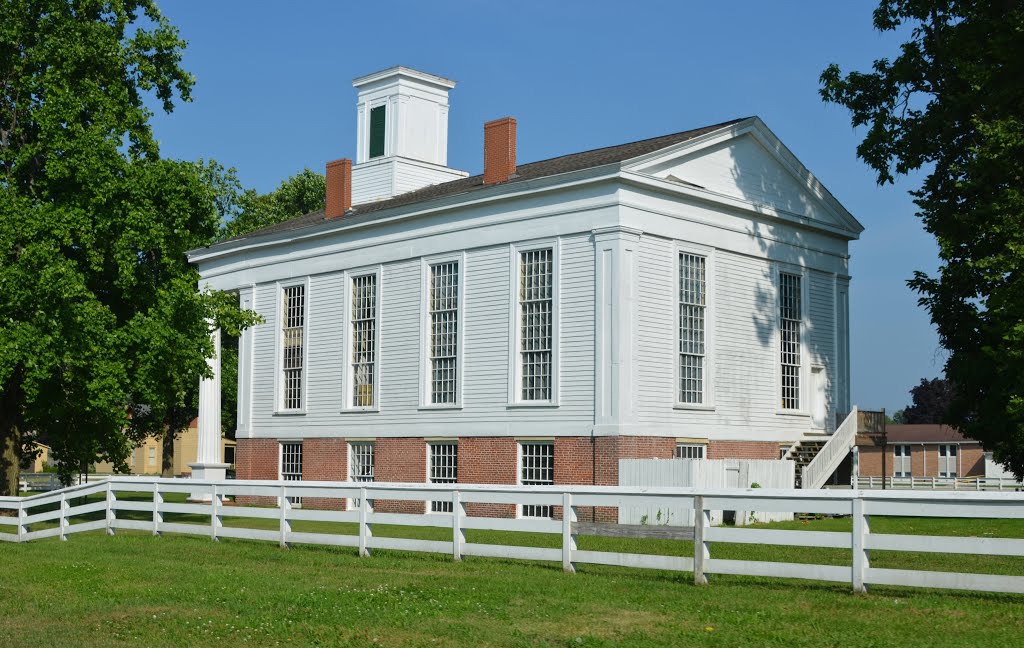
{"x": 103, "y": 331}
{"x": 302, "y": 193}
{"x": 951, "y": 104}
{"x": 930, "y": 402}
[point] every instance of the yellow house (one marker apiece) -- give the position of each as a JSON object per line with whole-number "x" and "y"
{"x": 42, "y": 458}
{"x": 147, "y": 458}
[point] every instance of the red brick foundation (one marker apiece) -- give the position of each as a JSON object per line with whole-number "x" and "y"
{"x": 484, "y": 460}
{"x": 743, "y": 450}
{"x": 324, "y": 460}
{"x": 257, "y": 459}
{"x": 400, "y": 460}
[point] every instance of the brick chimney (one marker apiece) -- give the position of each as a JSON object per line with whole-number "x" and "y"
{"x": 499, "y": 150}
{"x": 339, "y": 188}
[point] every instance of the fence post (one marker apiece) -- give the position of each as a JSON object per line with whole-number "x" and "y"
{"x": 458, "y": 537}
{"x": 22, "y": 527}
{"x": 855, "y": 473}
{"x": 214, "y": 518}
{"x": 568, "y": 537}
{"x": 701, "y": 548}
{"x": 63, "y": 516}
{"x": 158, "y": 499}
{"x": 365, "y": 529}
{"x": 284, "y": 526}
{"x": 861, "y": 529}
{"x": 111, "y": 516}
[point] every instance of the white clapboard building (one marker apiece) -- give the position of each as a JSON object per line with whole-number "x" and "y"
{"x": 685, "y": 295}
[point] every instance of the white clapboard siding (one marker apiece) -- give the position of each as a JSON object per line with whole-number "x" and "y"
{"x": 705, "y": 474}
{"x": 744, "y": 360}
{"x": 487, "y": 304}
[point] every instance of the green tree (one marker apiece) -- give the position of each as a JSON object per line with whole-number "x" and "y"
{"x": 951, "y": 105}
{"x": 300, "y": 194}
{"x": 103, "y": 333}
{"x": 930, "y": 401}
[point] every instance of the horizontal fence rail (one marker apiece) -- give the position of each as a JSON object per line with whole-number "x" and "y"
{"x": 94, "y": 507}
{"x": 942, "y": 483}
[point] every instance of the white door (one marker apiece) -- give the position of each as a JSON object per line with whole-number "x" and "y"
{"x": 818, "y": 404}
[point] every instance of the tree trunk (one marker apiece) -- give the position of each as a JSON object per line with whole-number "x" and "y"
{"x": 167, "y": 462}
{"x": 10, "y": 454}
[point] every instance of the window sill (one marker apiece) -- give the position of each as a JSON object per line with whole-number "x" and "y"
{"x": 290, "y": 413}
{"x": 361, "y": 410}
{"x": 427, "y": 408}
{"x": 529, "y": 405}
{"x": 695, "y": 407}
{"x": 795, "y": 413}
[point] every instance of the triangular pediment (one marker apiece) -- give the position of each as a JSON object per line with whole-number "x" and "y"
{"x": 746, "y": 162}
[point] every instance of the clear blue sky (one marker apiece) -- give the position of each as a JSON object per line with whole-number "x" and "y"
{"x": 274, "y": 95}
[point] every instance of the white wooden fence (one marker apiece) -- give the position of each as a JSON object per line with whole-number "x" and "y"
{"x": 862, "y": 505}
{"x": 941, "y": 483}
{"x": 702, "y": 474}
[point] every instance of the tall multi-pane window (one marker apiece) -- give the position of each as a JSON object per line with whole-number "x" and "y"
{"x": 692, "y": 307}
{"x": 291, "y": 465}
{"x": 688, "y": 451}
{"x": 443, "y": 306}
{"x": 364, "y": 340}
{"x": 536, "y": 323}
{"x": 790, "y": 316}
{"x": 293, "y": 334}
{"x": 947, "y": 461}
{"x": 901, "y": 460}
{"x": 444, "y": 469}
{"x": 536, "y": 468}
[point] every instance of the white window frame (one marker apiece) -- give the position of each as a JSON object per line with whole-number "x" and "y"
{"x": 805, "y": 307}
{"x": 373, "y": 460}
{"x": 708, "y": 253}
{"x": 533, "y": 510}
{"x": 425, "y": 331}
{"x": 279, "y": 408}
{"x": 441, "y": 506}
{"x": 902, "y": 460}
{"x": 348, "y": 380}
{"x": 515, "y": 399}
{"x": 944, "y": 461}
{"x": 296, "y": 502}
{"x": 683, "y": 449}
{"x": 355, "y": 502}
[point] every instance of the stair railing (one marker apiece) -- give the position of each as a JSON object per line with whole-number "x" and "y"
{"x": 816, "y": 473}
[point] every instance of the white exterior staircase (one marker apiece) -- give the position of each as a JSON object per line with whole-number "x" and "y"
{"x": 818, "y": 457}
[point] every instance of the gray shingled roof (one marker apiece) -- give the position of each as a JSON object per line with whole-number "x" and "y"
{"x": 531, "y": 171}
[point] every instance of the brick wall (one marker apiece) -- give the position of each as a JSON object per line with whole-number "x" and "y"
{"x": 324, "y": 460}
{"x": 611, "y": 449}
{"x": 400, "y": 460}
{"x": 743, "y": 450}
{"x": 924, "y": 460}
{"x": 489, "y": 461}
{"x": 257, "y": 459}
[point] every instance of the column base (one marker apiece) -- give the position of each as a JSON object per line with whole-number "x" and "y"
{"x": 207, "y": 472}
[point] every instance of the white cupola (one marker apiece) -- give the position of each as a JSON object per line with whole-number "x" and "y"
{"x": 401, "y": 134}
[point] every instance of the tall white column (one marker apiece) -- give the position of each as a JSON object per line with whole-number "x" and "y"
{"x": 209, "y": 463}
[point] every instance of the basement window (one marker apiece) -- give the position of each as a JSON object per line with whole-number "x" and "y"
{"x": 378, "y": 128}
{"x": 444, "y": 469}
{"x": 536, "y": 468}
{"x": 688, "y": 451}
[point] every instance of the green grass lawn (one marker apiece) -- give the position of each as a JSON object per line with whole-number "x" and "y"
{"x": 177, "y": 590}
